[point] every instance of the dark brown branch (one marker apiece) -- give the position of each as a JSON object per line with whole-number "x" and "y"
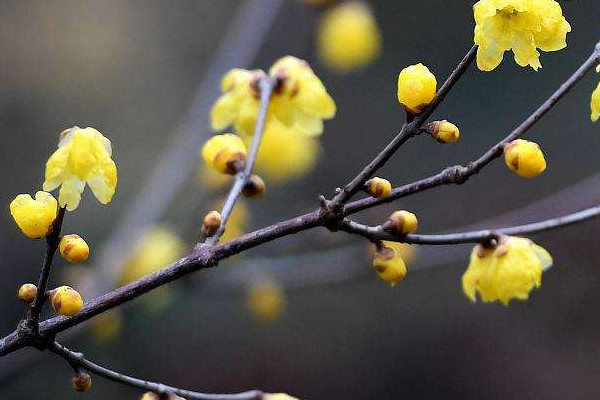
{"x": 479, "y": 236}
{"x": 265, "y": 85}
{"x": 408, "y": 131}
{"x": 78, "y": 360}
{"x": 460, "y": 173}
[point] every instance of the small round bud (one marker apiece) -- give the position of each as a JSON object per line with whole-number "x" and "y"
{"x": 225, "y": 153}
{"x": 378, "y": 187}
{"x": 401, "y": 223}
{"x": 389, "y": 266}
{"x": 524, "y": 158}
{"x": 82, "y": 382}
{"x": 27, "y": 292}
{"x": 416, "y": 88}
{"x": 74, "y": 249}
{"x": 255, "y": 187}
{"x": 66, "y": 301}
{"x": 443, "y": 131}
{"x": 211, "y": 223}
{"x": 149, "y": 396}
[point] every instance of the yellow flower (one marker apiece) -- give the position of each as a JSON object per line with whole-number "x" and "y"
{"x": 443, "y": 131}
{"x": 378, "y": 187}
{"x": 522, "y": 26}
{"x": 348, "y": 36}
{"x": 284, "y": 155}
{"x": 27, "y": 292}
{"x": 509, "y": 271}
{"x": 224, "y": 153}
{"x": 524, "y": 158}
{"x": 83, "y": 156}
{"x": 595, "y": 102}
{"x": 266, "y": 300}
{"x": 416, "y": 87}
{"x": 389, "y": 265}
{"x": 301, "y": 101}
{"x": 66, "y": 301}
{"x": 74, "y": 249}
{"x": 149, "y": 396}
{"x": 34, "y": 217}
{"x": 401, "y": 223}
{"x": 154, "y": 250}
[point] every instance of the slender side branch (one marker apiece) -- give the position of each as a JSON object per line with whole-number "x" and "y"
{"x": 460, "y": 173}
{"x": 377, "y": 233}
{"x": 52, "y": 242}
{"x": 408, "y": 131}
{"x": 78, "y": 360}
{"x": 265, "y": 85}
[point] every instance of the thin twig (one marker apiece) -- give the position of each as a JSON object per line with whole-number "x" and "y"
{"x": 79, "y": 360}
{"x": 377, "y": 233}
{"x": 265, "y": 85}
{"x": 52, "y": 242}
{"x": 408, "y": 131}
{"x": 458, "y": 174}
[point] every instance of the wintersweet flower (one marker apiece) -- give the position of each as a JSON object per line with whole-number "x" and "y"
{"x": 524, "y": 158}
{"x": 348, "y": 36}
{"x": 416, "y": 87}
{"x": 508, "y": 271}
{"x": 34, "y": 217}
{"x": 595, "y": 102}
{"x": 389, "y": 265}
{"x": 83, "y": 156}
{"x": 522, "y": 26}
{"x": 224, "y": 153}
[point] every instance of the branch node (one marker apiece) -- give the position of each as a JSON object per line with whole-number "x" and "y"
{"x": 457, "y": 174}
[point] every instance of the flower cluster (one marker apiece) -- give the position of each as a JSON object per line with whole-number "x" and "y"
{"x": 509, "y": 270}
{"x": 523, "y": 26}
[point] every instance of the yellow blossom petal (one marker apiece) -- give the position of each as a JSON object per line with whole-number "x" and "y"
{"x": 595, "y": 104}
{"x": 34, "y": 217}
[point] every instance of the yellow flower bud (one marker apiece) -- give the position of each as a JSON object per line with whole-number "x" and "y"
{"x": 82, "y": 382}
{"x": 443, "y": 131}
{"x": 389, "y": 266}
{"x": 34, "y": 217}
{"x": 401, "y": 223}
{"x": 416, "y": 88}
{"x": 74, "y": 249}
{"x": 27, "y": 292}
{"x": 279, "y": 396}
{"x": 211, "y": 223}
{"x": 524, "y": 158}
{"x": 149, "y": 396}
{"x": 595, "y": 103}
{"x": 225, "y": 153}
{"x": 66, "y": 301}
{"x": 510, "y": 270}
{"x": 378, "y": 187}
{"x": 266, "y": 300}
{"x": 348, "y": 36}
{"x": 255, "y": 187}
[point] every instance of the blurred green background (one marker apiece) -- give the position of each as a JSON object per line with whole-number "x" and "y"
{"x": 131, "y": 68}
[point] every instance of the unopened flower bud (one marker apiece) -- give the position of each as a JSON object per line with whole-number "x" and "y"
{"x": 416, "y": 88}
{"x": 389, "y": 265}
{"x": 74, "y": 249}
{"x": 225, "y": 153}
{"x": 82, "y": 382}
{"x": 401, "y": 223}
{"x": 524, "y": 158}
{"x": 443, "y": 131}
{"x": 149, "y": 396}
{"x": 211, "y": 223}
{"x": 255, "y": 187}
{"x": 27, "y": 292}
{"x": 66, "y": 301}
{"x": 378, "y": 187}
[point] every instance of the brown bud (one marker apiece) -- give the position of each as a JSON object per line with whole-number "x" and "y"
{"x": 378, "y": 187}
{"x": 82, "y": 382}
{"x": 211, "y": 223}
{"x": 401, "y": 223}
{"x": 254, "y": 187}
{"x": 27, "y": 292}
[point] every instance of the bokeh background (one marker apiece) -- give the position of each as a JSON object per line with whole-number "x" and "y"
{"x": 133, "y": 70}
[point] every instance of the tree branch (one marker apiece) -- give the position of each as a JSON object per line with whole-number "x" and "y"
{"x": 458, "y": 174}
{"x": 409, "y": 130}
{"x": 78, "y": 360}
{"x": 265, "y": 85}
{"x": 377, "y": 233}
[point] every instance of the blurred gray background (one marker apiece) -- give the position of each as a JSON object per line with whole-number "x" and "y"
{"x": 130, "y": 69}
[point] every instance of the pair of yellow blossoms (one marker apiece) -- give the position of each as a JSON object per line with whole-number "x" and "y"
{"x": 83, "y": 157}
